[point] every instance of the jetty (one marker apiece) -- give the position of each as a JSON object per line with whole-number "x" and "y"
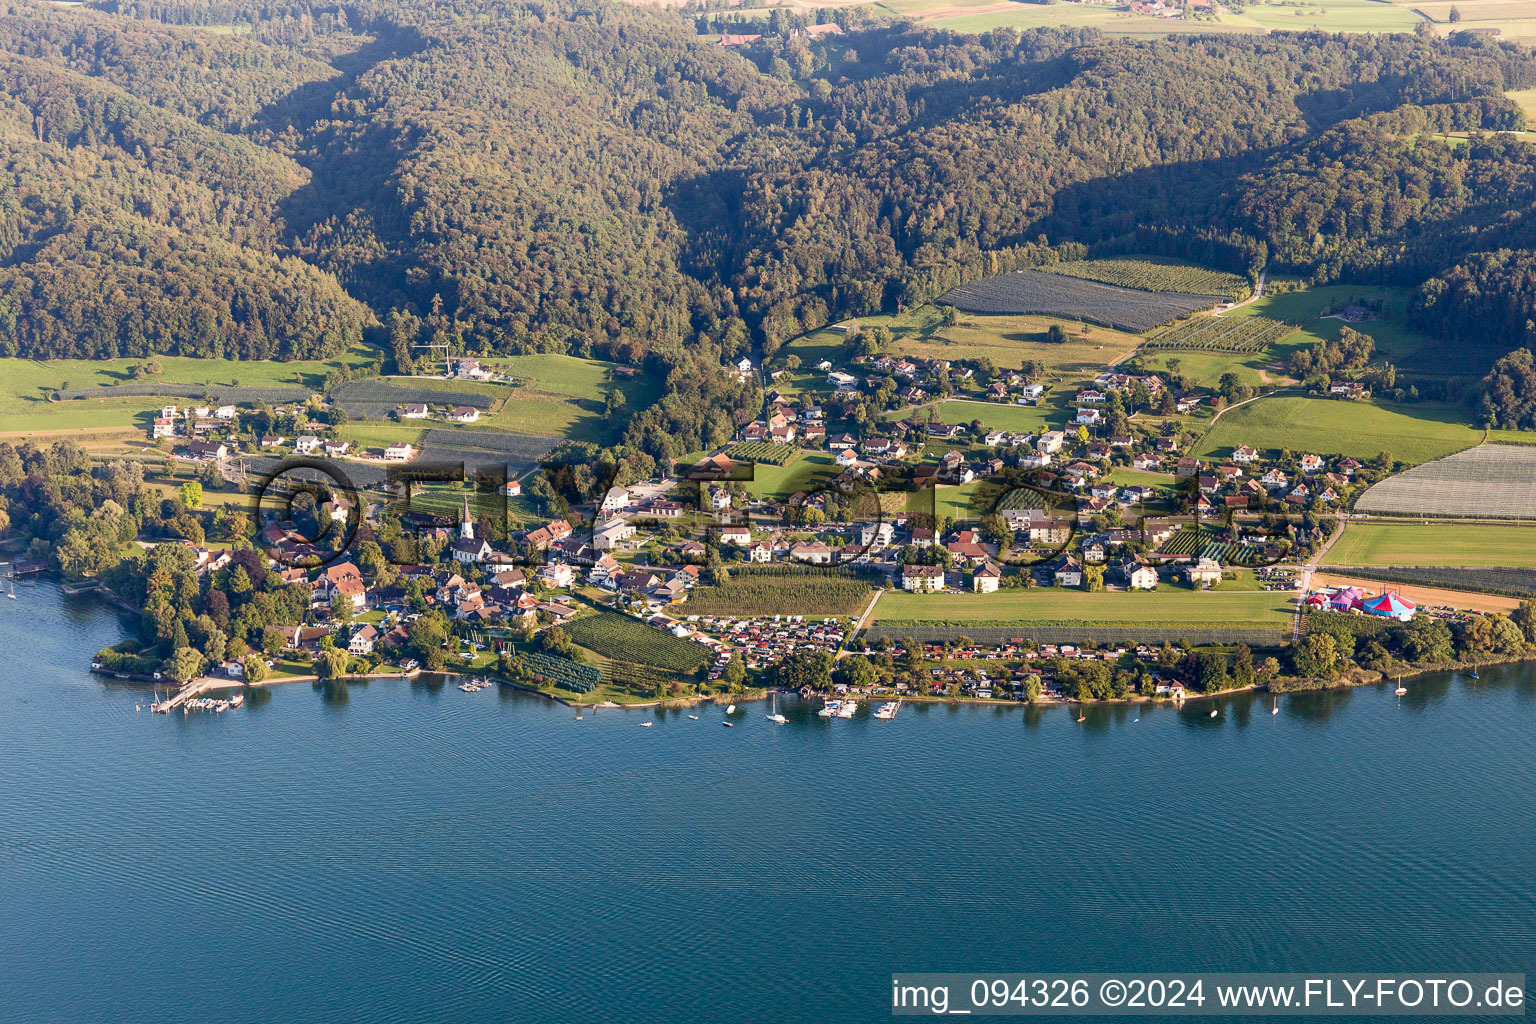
{"x": 192, "y": 690}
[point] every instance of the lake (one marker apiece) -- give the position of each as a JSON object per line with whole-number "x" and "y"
{"x": 406, "y": 851}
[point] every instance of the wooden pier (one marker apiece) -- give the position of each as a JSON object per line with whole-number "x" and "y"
{"x": 196, "y": 688}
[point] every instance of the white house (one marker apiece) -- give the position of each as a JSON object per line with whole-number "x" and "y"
{"x": 414, "y": 411}
{"x": 512, "y": 488}
{"x": 224, "y": 412}
{"x": 164, "y": 428}
{"x": 1138, "y": 576}
{"x": 985, "y": 580}
{"x": 1089, "y": 417}
{"x": 306, "y": 445}
{"x": 335, "y": 448}
{"x": 612, "y": 533}
{"x": 922, "y": 577}
{"x": 838, "y": 379}
{"x": 738, "y": 535}
{"x": 464, "y": 414}
{"x": 399, "y": 451}
{"x": 1051, "y": 441}
{"x": 363, "y": 640}
{"x": 1031, "y": 392}
{"x": 617, "y": 498}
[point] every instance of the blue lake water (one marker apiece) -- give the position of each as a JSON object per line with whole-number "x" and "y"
{"x": 399, "y": 851}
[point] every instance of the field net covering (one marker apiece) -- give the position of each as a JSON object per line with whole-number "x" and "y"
{"x": 1034, "y": 292}
{"x": 1495, "y": 481}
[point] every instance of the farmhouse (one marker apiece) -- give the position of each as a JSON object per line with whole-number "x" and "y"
{"x": 464, "y": 414}
{"x": 413, "y": 411}
{"x": 399, "y": 451}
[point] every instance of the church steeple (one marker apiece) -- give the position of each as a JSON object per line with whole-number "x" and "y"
{"x": 467, "y": 526}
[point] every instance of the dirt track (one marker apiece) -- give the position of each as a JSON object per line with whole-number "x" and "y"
{"x": 1424, "y": 597}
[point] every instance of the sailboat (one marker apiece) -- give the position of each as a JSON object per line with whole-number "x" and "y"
{"x": 1276, "y": 709}
{"x": 1401, "y": 689}
{"x": 774, "y": 716}
{"x": 12, "y": 594}
{"x": 1474, "y": 667}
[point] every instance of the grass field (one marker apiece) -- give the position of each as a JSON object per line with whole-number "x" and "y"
{"x": 1434, "y": 544}
{"x": 1413, "y": 433}
{"x": 1006, "y": 340}
{"x": 1052, "y": 606}
{"x": 1394, "y": 339}
{"x": 1333, "y": 16}
{"x": 994, "y": 416}
{"x": 564, "y": 395}
{"x": 25, "y": 384}
{"x": 811, "y": 470}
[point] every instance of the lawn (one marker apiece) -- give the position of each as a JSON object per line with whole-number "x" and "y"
{"x": 994, "y": 416}
{"x": 1412, "y": 433}
{"x": 1434, "y": 544}
{"x": 810, "y": 471}
{"x": 24, "y": 405}
{"x": 1169, "y": 604}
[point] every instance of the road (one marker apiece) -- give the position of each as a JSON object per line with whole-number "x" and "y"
{"x": 858, "y": 623}
{"x": 1304, "y": 578}
{"x": 1258, "y": 293}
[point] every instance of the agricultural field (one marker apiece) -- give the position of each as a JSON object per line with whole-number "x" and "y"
{"x": 614, "y": 635}
{"x": 561, "y": 672}
{"x": 484, "y": 506}
{"x": 1241, "y": 334}
{"x": 1432, "y": 544}
{"x": 1115, "y": 21}
{"x": 1412, "y": 433}
{"x": 477, "y": 448}
{"x": 1310, "y": 309}
{"x": 1332, "y": 16}
{"x": 24, "y": 404}
{"x": 378, "y": 397}
{"x": 1157, "y": 274}
{"x": 811, "y": 592}
{"x": 1490, "y": 481}
{"x": 1007, "y": 340}
{"x": 1190, "y": 541}
{"x": 1032, "y": 291}
{"x": 764, "y": 453}
{"x": 1051, "y": 606}
{"x": 565, "y": 395}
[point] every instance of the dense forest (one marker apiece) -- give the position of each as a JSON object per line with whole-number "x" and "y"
{"x": 586, "y": 176}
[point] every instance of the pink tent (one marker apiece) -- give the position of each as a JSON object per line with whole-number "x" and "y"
{"x": 1348, "y": 599}
{"x": 1391, "y": 605}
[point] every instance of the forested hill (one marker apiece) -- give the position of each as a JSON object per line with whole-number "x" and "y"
{"x": 588, "y": 176}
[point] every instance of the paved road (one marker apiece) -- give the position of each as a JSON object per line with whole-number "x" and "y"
{"x": 1304, "y": 581}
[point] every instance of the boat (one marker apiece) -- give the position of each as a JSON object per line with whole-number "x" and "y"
{"x": 730, "y": 709}
{"x": 12, "y": 594}
{"x": 847, "y": 709}
{"x": 886, "y": 711}
{"x": 646, "y": 725}
{"x": 1082, "y": 717}
{"x": 1474, "y": 668}
{"x": 694, "y": 717}
{"x": 729, "y": 725}
{"x": 830, "y": 708}
{"x": 237, "y": 700}
{"x": 1213, "y": 712}
{"x": 1276, "y": 709}
{"x": 1401, "y": 689}
{"x": 774, "y": 715}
